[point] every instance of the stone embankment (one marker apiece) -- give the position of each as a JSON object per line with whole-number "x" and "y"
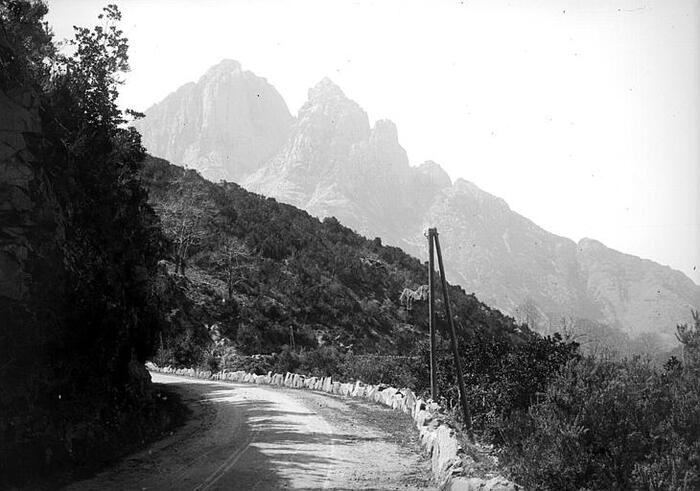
{"x": 439, "y": 439}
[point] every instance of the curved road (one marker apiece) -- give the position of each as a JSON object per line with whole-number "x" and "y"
{"x": 244, "y": 436}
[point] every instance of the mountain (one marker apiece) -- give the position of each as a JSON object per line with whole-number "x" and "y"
{"x": 334, "y": 163}
{"x": 226, "y": 125}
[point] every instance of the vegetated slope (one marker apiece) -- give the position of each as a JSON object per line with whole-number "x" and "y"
{"x": 289, "y": 273}
{"x": 332, "y": 162}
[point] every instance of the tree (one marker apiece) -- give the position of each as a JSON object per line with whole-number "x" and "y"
{"x": 183, "y": 216}
{"x": 92, "y": 243}
{"x": 235, "y": 255}
{"x": 94, "y": 70}
{"x": 529, "y": 313}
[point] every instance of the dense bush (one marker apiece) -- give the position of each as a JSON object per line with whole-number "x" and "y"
{"x": 398, "y": 371}
{"x": 607, "y": 423}
{"x": 502, "y": 377}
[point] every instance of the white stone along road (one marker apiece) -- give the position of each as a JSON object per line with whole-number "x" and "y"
{"x": 244, "y": 436}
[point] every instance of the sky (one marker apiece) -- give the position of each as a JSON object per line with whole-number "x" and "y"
{"x": 583, "y": 115}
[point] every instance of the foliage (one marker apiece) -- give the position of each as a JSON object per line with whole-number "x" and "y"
{"x": 610, "y": 424}
{"x": 502, "y": 377}
{"x": 113, "y": 240}
{"x": 76, "y": 338}
{"x": 398, "y": 371}
{"x": 182, "y": 215}
{"x": 91, "y": 74}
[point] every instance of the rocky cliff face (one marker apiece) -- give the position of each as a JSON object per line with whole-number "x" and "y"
{"x": 226, "y": 125}
{"x": 31, "y": 230}
{"x": 334, "y": 163}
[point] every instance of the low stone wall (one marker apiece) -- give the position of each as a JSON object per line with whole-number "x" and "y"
{"x": 436, "y": 436}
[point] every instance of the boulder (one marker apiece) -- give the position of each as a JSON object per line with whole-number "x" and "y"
{"x": 335, "y": 389}
{"x": 370, "y": 391}
{"x": 409, "y": 401}
{"x": 358, "y": 390}
{"x": 346, "y": 389}
{"x": 327, "y": 384}
{"x": 445, "y": 450}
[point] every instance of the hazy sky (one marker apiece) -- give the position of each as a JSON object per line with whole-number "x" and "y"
{"x": 583, "y": 115}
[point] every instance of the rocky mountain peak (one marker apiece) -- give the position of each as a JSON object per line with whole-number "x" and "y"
{"x": 435, "y": 174}
{"x": 330, "y": 120}
{"x": 226, "y": 126}
{"x": 326, "y": 89}
{"x": 223, "y": 68}
{"x": 587, "y": 244}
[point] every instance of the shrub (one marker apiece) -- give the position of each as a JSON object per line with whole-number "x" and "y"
{"x": 321, "y": 362}
{"x": 257, "y": 364}
{"x": 606, "y": 424}
{"x": 286, "y": 361}
{"x": 398, "y": 371}
{"x": 501, "y": 376}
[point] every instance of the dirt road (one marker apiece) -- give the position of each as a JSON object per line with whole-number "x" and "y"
{"x": 245, "y": 436}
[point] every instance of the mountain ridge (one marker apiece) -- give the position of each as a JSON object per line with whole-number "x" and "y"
{"x": 333, "y": 162}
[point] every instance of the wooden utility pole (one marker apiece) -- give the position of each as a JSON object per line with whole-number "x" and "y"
{"x": 453, "y": 334}
{"x": 431, "y": 313}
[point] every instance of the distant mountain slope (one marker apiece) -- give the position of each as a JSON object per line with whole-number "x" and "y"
{"x": 639, "y": 294}
{"x": 293, "y": 272}
{"x": 226, "y": 125}
{"x": 504, "y": 256}
{"x": 333, "y": 163}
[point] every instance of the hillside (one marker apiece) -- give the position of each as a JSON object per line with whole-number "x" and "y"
{"x": 332, "y": 162}
{"x": 259, "y": 269}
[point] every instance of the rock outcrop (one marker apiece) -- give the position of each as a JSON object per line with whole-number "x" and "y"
{"x": 26, "y": 197}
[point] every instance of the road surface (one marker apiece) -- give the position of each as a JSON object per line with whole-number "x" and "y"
{"x": 244, "y": 436}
